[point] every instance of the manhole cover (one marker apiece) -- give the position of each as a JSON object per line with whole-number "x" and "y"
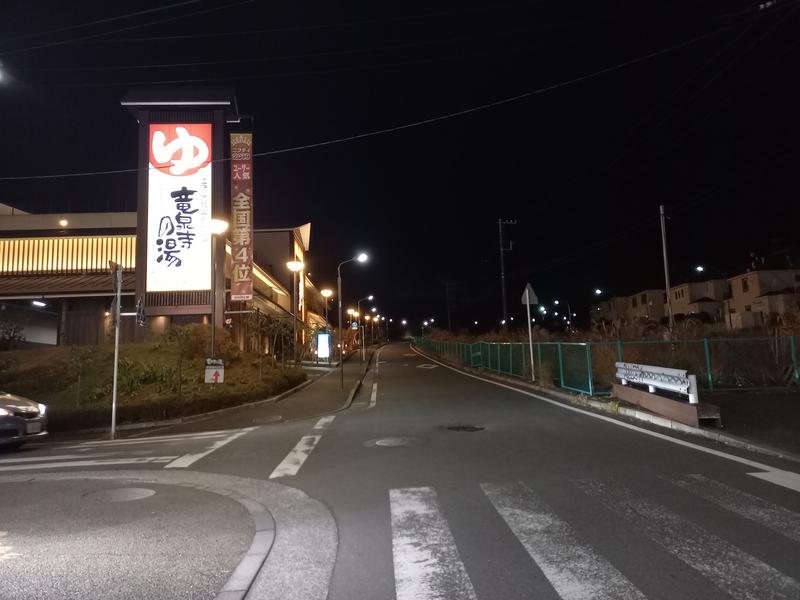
{"x": 122, "y": 494}
{"x": 467, "y": 428}
{"x": 393, "y": 442}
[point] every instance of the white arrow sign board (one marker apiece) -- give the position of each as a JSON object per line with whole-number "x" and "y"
{"x": 529, "y": 296}
{"x": 215, "y": 370}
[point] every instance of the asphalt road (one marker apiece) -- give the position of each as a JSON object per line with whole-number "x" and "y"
{"x": 525, "y": 499}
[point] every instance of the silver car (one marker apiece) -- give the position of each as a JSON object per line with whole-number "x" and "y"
{"x": 21, "y": 420}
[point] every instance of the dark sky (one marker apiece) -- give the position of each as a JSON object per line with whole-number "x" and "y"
{"x": 704, "y": 127}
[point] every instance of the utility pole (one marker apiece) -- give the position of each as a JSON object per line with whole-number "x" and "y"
{"x": 503, "y": 250}
{"x": 666, "y": 267}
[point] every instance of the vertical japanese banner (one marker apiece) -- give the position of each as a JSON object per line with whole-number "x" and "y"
{"x": 179, "y": 207}
{"x": 241, "y": 216}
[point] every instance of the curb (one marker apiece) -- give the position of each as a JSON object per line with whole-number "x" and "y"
{"x": 581, "y": 401}
{"x": 189, "y": 418}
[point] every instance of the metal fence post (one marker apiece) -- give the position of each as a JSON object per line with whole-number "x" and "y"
{"x": 589, "y": 368}
{"x": 499, "y": 369}
{"x": 560, "y": 365}
{"x": 708, "y": 365}
{"x": 511, "y": 359}
{"x": 619, "y": 351}
{"x": 539, "y": 353}
{"x": 793, "y": 348}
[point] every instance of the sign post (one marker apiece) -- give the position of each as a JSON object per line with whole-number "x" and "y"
{"x": 215, "y": 371}
{"x": 116, "y": 274}
{"x": 528, "y": 298}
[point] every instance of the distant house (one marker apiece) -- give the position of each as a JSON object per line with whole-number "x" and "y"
{"x": 758, "y": 297}
{"x": 702, "y": 297}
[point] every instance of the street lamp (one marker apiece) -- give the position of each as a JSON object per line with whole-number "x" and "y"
{"x": 218, "y": 227}
{"x": 362, "y": 258}
{"x": 295, "y": 266}
{"x": 360, "y": 328}
{"x": 699, "y": 268}
{"x": 326, "y": 294}
{"x": 597, "y": 291}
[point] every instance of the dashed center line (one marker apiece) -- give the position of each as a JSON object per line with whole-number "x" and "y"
{"x": 297, "y": 456}
{"x": 374, "y": 398}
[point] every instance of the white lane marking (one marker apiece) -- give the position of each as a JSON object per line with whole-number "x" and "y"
{"x": 373, "y": 399}
{"x": 409, "y": 354}
{"x": 728, "y": 567}
{"x": 6, "y": 551}
{"x": 763, "y": 512}
{"x": 45, "y": 457}
{"x": 297, "y": 456}
{"x": 88, "y": 463}
{"x": 159, "y": 439}
{"x": 188, "y": 459}
{"x": 427, "y": 565}
{"x": 426, "y": 366}
{"x": 784, "y": 478}
{"x": 324, "y": 422}
{"x": 574, "y": 569}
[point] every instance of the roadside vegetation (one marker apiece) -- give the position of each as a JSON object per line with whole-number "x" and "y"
{"x": 161, "y": 379}
{"x": 754, "y": 358}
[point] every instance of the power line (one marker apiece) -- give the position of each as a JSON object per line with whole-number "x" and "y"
{"x": 129, "y": 28}
{"x": 404, "y": 63}
{"x": 338, "y": 25}
{"x": 247, "y": 60}
{"x": 413, "y": 124}
{"x": 99, "y": 21}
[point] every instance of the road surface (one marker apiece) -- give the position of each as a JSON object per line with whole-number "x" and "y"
{"x": 432, "y": 485}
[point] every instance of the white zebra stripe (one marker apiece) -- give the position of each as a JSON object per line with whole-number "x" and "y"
{"x": 297, "y": 456}
{"x": 729, "y": 568}
{"x": 427, "y": 565}
{"x": 767, "y": 514}
{"x": 574, "y": 569}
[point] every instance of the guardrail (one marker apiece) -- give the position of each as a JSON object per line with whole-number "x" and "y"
{"x": 661, "y": 378}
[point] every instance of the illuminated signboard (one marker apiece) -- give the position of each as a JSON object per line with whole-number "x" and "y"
{"x": 179, "y": 207}
{"x": 323, "y": 344}
{"x": 242, "y": 216}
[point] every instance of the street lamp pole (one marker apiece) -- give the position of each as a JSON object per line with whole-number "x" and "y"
{"x": 360, "y": 258}
{"x": 360, "y": 326}
{"x": 666, "y": 267}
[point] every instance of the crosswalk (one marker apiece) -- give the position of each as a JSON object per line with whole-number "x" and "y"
{"x": 164, "y": 451}
{"x": 428, "y": 566}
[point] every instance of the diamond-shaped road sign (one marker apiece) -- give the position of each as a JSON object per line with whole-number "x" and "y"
{"x": 529, "y": 296}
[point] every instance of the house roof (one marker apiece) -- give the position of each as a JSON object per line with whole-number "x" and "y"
{"x": 60, "y": 286}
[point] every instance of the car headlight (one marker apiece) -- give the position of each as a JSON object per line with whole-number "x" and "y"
{"x": 42, "y": 409}
{"x": 4, "y": 412}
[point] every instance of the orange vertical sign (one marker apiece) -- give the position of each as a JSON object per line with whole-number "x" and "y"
{"x": 241, "y": 216}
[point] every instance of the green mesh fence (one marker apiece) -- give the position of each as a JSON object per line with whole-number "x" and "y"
{"x": 589, "y": 368}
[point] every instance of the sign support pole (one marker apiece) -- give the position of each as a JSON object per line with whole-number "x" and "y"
{"x": 530, "y": 329}
{"x": 117, "y": 272}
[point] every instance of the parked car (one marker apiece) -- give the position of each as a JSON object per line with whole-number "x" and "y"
{"x": 21, "y": 420}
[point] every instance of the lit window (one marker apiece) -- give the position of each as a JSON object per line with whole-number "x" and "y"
{"x": 745, "y": 285}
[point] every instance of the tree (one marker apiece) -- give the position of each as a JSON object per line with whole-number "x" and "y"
{"x": 10, "y": 333}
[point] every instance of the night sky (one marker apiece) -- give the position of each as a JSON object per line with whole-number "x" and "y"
{"x": 704, "y": 126}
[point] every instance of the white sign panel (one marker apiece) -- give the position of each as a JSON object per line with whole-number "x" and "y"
{"x": 179, "y": 208}
{"x": 324, "y": 345}
{"x": 215, "y": 370}
{"x": 529, "y": 296}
